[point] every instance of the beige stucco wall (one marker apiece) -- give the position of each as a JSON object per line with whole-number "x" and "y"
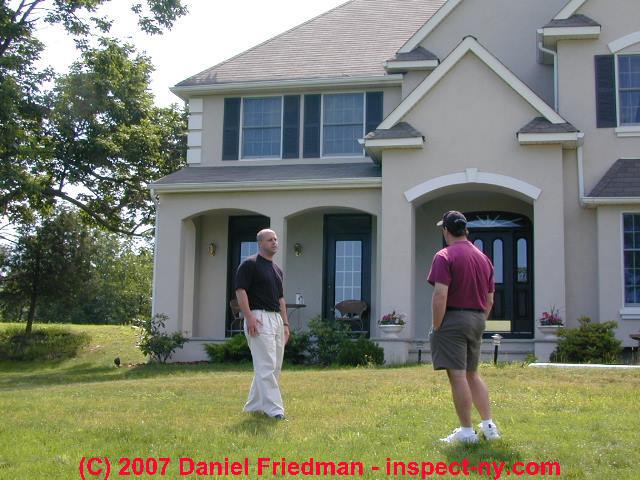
{"x": 470, "y": 119}
{"x": 507, "y": 28}
{"x": 610, "y": 266}
{"x": 213, "y": 114}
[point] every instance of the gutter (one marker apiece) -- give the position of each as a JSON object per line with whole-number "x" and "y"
{"x": 154, "y": 297}
{"x": 262, "y": 185}
{"x": 554, "y": 54}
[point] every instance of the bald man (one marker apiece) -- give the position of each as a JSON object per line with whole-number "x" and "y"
{"x": 261, "y": 298}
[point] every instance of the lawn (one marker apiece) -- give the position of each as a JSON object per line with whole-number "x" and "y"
{"x": 53, "y": 415}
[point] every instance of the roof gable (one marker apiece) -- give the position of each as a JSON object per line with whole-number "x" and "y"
{"x": 424, "y": 31}
{"x": 470, "y": 44}
{"x": 352, "y": 40}
{"x": 569, "y": 9}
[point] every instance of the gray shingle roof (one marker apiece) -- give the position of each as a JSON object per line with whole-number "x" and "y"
{"x": 578, "y": 20}
{"x": 622, "y": 180}
{"x": 401, "y": 130}
{"x": 542, "y": 125}
{"x": 270, "y": 173}
{"x": 353, "y": 39}
{"x": 418, "y": 53}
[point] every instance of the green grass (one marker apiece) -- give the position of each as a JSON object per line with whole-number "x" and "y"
{"x": 51, "y": 415}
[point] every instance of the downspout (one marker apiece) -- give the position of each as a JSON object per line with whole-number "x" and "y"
{"x": 154, "y": 199}
{"x": 580, "y": 154}
{"x": 555, "y": 74}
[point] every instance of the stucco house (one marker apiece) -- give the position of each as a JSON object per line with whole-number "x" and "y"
{"x": 352, "y": 133}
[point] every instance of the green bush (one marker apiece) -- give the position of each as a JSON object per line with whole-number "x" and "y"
{"x": 153, "y": 341}
{"x": 589, "y": 343}
{"x": 327, "y": 340}
{"x": 43, "y": 344}
{"x": 235, "y": 349}
{"x": 361, "y": 352}
{"x": 297, "y": 348}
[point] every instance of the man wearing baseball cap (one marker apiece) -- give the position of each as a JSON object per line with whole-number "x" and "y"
{"x": 462, "y": 277}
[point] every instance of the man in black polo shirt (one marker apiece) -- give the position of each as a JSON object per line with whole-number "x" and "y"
{"x": 261, "y": 298}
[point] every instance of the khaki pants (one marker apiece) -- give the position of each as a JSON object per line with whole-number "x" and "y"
{"x": 267, "y": 351}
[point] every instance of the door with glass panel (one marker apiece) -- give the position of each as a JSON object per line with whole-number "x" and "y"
{"x": 506, "y": 239}
{"x": 242, "y": 244}
{"x": 347, "y": 263}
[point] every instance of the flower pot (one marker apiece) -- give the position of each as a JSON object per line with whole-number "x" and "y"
{"x": 549, "y": 332}
{"x": 391, "y": 331}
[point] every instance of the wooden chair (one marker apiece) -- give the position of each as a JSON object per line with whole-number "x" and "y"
{"x": 238, "y": 318}
{"x": 352, "y": 312}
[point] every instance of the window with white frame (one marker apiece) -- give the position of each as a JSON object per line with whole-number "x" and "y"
{"x": 342, "y": 124}
{"x": 261, "y": 127}
{"x": 629, "y": 89}
{"x": 631, "y": 249}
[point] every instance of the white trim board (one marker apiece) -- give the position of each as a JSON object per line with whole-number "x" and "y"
{"x": 341, "y": 183}
{"x": 411, "y": 142}
{"x": 406, "y": 65}
{"x": 624, "y": 42}
{"x": 470, "y": 44}
{"x": 469, "y": 176}
{"x": 424, "y": 31}
{"x": 569, "y": 9}
{"x": 569, "y": 33}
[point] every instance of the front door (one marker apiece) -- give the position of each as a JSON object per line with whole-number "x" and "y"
{"x": 242, "y": 244}
{"x": 347, "y": 272}
{"x": 506, "y": 239}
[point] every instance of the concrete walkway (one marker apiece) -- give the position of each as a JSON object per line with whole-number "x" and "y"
{"x": 582, "y": 365}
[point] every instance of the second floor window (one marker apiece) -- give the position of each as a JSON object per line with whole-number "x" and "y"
{"x": 343, "y": 124}
{"x": 629, "y": 89}
{"x": 261, "y": 127}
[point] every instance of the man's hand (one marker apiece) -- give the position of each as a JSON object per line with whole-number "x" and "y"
{"x": 287, "y": 334}
{"x": 252, "y": 325}
{"x": 252, "y": 322}
{"x": 439, "y": 304}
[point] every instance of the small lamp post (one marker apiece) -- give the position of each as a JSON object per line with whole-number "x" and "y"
{"x": 635, "y": 358}
{"x": 496, "y": 343}
{"x": 419, "y": 346}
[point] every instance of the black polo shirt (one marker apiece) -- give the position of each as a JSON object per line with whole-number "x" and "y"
{"x": 262, "y": 280}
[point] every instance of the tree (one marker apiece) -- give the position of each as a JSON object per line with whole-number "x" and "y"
{"x": 96, "y": 139}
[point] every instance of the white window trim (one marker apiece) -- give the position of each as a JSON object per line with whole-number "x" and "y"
{"x": 364, "y": 124}
{"x": 629, "y": 310}
{"x": 241, "y": 156}
{"x": 626, "y": 130}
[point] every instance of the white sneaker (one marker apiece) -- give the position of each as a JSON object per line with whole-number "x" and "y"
{"x": 458, "y": 437}
{"x": 489, "y": 433}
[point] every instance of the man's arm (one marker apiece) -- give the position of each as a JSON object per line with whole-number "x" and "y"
{"x": 439, "y": 304}
{"x": 285, "y": 319}
{"x": 250, "y": 318}
{"x": 489, "y": 304}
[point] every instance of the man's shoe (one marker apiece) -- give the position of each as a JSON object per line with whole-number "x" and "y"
{"x": 458, "y": 437}
{"x": 279, "y": 416}
{"x": 490, "y": 432}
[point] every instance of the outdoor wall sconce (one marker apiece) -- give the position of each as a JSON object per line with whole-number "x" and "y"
{"x": 297, "y": 249}
{"x": 212, "y": 249}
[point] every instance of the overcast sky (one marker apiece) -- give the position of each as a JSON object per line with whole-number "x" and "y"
{"x": 211, "y": 32}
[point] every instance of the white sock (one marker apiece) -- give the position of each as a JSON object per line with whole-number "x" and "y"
{"x": 467, "y": 430}
{"x": 487, "y": 423}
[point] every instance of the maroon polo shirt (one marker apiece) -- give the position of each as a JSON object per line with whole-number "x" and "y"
{"x": 466, "y": 271}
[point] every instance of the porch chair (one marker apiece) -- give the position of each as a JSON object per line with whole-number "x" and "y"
{"x": 352, "y": 312}
{"x": 237, "y": 322}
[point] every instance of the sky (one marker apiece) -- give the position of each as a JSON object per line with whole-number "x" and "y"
{"x": 211, "y": 32}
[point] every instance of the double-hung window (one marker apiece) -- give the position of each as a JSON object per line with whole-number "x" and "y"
{"x": 629, "y": 89}
{"x": 342, "y": 124}
{"x": 262, "y": 127}
{"x": 631, "y": 249}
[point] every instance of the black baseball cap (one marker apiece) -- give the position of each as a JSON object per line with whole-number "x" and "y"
{"x": 453, "y": 221}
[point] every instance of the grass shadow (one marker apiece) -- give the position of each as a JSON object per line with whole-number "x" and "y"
{"x": 498, "y": 453}
{"x": 255, "y": 425}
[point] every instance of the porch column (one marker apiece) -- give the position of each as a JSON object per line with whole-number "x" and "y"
{"x": 397, "y": 272}
{"x": 279, "y": 225}
{"x": 549, "y": 266}
{"x": 188, "y": 274}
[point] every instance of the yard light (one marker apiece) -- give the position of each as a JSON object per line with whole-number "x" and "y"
{"x": 635, "y": 358}
{"x": 496, "y": 343}
{"x": 419, "y": 346}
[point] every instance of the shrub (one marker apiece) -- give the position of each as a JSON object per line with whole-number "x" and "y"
{"x": 360, "y": 352}
{"x": 45, "y": 344}
{"x": 328, "y": 338}
{"x": 589, "y": 343}
{"x": 297, "y": 348}
{"x": 153, "y": 341}
{"x": 235, "y": 349}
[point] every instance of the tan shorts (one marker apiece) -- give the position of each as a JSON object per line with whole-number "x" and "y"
{"x": 456, "y": 344}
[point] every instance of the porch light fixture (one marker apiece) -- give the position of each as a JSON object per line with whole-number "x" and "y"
{"x": 496, "y": 343}
{"x": 212, "y": 249}
{"x": 297, "y": 249}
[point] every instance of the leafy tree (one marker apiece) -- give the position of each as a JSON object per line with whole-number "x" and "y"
{"x": 96, "y": 139}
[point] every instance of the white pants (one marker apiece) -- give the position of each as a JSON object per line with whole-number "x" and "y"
{"x": 267, "y": 350}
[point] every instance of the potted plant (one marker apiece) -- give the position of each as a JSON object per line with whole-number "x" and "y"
{"x": 392, "y": 324}
{"x": 550, "y": 323}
